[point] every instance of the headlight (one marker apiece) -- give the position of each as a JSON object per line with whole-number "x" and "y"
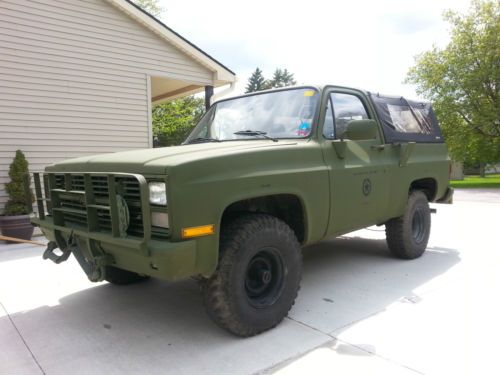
{"x": 158, "y": 193}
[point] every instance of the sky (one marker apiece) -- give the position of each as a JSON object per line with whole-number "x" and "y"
{"x": 356, "y": 43}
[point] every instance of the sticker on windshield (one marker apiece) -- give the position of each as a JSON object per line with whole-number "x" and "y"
{"x": 304, "y": 129}
{"x": 309, "y": 93}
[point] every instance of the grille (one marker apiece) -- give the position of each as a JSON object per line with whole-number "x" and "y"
{"x": 73, "y": 211}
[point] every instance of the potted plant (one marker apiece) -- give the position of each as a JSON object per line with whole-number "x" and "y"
{"x": 15, "y": 221}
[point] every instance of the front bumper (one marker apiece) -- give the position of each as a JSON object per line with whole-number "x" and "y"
{"x": 162, "y": 259}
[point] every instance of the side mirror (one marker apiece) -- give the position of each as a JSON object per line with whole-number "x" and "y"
{"x": 357, "y": 130}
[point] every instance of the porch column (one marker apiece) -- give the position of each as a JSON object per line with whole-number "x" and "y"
{"x": 209, "y": 91}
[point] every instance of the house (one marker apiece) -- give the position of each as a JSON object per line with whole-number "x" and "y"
{"x": 79, "y": 77}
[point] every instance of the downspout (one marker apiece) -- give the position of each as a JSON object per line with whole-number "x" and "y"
{"x": 226, "y": 91}
{"x": 209, "y": 92}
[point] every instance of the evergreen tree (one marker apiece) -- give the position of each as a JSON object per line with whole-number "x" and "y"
{"x": 275, "y": 82}
{"x": 256, "y": 82}
{"x": 18, "y": 188}
{"x": 288, "y": 78}
{"x": 281, "y": 78}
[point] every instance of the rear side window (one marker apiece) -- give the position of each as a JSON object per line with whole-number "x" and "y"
{"x": 406, "y": 120}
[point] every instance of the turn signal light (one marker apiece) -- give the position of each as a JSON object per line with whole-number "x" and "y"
{"x": 203, "y": 230}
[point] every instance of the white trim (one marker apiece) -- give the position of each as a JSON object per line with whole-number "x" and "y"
{"x": 220, "y": 73}
{"x": 160, "y": 74}
{"x": 149, "y": 108}
{"x": 222, "y": 93}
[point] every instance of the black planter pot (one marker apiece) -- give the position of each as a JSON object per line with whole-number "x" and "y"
{"x": 18, "y": 226}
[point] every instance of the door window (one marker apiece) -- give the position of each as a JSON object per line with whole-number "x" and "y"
{"x": 346, "y": 107}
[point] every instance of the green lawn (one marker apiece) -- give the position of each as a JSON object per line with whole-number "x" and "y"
{"x": 490, "y": 181}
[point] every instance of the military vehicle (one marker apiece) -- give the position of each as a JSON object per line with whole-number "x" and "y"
{"x": 259, "y": 177}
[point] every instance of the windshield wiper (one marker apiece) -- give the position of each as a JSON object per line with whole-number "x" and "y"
{"x": 255, "y": 133}
{"x": 203, "y": 140}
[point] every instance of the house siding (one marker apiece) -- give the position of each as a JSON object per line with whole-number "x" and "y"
{"x": 74, "y": 80}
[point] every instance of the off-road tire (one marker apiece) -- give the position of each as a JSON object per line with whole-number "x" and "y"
{"x": 258, "y": 276}
{"x": 118, "y": 276}
{"x": 407, "y": 236}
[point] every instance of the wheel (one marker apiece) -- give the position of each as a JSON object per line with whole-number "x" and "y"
{"x": 408, "y": 235}
{"x": 258, "y": 277}
{"x": 118, "y": 276}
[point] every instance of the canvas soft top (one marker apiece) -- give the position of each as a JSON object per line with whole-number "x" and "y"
{"x": 406, "y": 120}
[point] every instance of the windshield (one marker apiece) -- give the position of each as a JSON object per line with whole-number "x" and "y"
{"x": 277, "y": 114}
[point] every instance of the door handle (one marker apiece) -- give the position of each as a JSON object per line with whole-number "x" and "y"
{"x": 378, "y": 147}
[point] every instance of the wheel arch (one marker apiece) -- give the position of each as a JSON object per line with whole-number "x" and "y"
{"x": 427, "y": 185}
{"x": 288, "y": 207}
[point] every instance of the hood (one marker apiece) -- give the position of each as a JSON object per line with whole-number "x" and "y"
{"x": 158, "y": 160}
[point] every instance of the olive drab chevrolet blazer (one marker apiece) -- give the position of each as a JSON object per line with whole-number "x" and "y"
{"x": 259, "y": 177}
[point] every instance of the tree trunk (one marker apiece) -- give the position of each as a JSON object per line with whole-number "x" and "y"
{"x": 482, "y": 168}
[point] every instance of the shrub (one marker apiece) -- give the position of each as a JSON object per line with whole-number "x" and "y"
{"x": 18, "y": 188}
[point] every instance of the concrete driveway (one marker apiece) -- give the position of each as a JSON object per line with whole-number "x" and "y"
{"x": 359, "y": 311}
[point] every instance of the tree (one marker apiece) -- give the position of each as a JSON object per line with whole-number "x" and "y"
{"x": 256, "y": 82}
{"x": 18, "y": 188}
{"x": 281, "y": 78}
{"x": 173, "y": 121}
{"x": 463, "y": 82}
{"x": 150, "y": 6}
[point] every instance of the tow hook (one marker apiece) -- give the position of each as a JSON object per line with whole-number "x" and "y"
{"x": 90, "y": 257}
{"x": 66, "y": 251}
